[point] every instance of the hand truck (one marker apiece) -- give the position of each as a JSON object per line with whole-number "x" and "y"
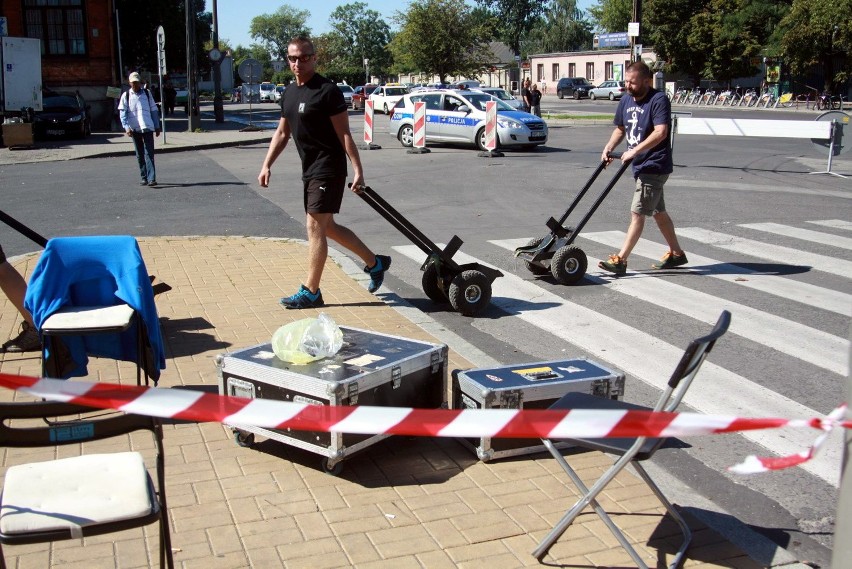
{"x": 556, "y": 253}
{"x": 467, "y": 287}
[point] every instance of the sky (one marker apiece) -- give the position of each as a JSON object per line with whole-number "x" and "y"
{"x": 235, "y": 15}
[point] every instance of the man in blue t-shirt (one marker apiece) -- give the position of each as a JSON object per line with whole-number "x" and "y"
{"x": 314, "y": 115}
{"x": 643, "y": 117}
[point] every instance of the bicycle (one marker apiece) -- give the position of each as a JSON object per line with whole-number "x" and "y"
{"x": 785, "y": 100}
{"x": 749, "y": 99}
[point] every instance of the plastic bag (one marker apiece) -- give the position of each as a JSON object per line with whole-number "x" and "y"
{"x": 307, "y": 340}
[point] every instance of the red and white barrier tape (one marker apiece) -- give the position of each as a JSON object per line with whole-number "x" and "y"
{"x": 472, "y": 423}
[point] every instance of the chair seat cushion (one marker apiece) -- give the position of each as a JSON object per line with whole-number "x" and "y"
{"x": 72, "y": 493}
{"x": 73, "y": 319}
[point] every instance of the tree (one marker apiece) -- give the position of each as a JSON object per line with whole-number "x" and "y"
{"x": 612, "y": 15}
{"x": 357, "y": 34}
{"x": 138, "y": 24}
{"x": 515, "y": 18}
{"x": 817, "y": 34}
{"x": 275, "y": 31}
{"x": 669, "y": 23}
{"x": 563, "y": 28}
{"x": 440, "y": 37}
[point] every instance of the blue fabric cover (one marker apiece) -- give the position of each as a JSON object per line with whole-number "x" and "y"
{"x": 97, "y": 271}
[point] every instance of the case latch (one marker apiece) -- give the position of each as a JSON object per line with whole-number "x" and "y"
{"x": 396, "y": 376}
{"x": 353, "y": 393}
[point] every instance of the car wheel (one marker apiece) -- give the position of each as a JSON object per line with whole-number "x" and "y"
{"x": 593, "y": 97}
{"x": 406, "y": 136}
{"x": 577, "y": 94}
{"x": 611, "y": 96}
{"x": 560, "y": 94}
{"x": 480, "y": 140}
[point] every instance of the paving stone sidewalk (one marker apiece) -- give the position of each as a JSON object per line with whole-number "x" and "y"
{"x": 404, "y": 502}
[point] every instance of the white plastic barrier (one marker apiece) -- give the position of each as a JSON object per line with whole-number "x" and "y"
{"x": 368, "y": 121}
{"x": 491, "y": 126}
{"x": 419, "y": 125}
{"x": 829, "y": 131}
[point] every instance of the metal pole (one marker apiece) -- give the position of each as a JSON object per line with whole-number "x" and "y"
{"x": 218, "y": 111}
{"x": 118, "y": 37}
{"x": 636, "y": 40}
{"x": 842, "y": 551}
{"x": 191, "y": 118}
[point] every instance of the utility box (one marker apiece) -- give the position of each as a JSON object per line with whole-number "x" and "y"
{"x": 20, "y": 76}
{"x": 18, "y": 134}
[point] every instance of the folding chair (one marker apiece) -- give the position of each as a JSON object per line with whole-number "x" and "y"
{"x": 630, "y": 450}
{"x": 95, "y": 293}
{"x": 80, "y": 496}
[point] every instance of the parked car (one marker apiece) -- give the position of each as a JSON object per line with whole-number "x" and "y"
{"x": 347, "y": 93}
{"x": 503, "y": 95}
{"x": 384, "y": 97}
{"x": 458, "y": 116}
{"x": 279, "y": 91}
{"x": 611, "y": 90}
{"x": 267, "y": 92}
{"x": 360, "y": 94}
{"x": 63, "y": 114}
{"x": 577, "y": 87}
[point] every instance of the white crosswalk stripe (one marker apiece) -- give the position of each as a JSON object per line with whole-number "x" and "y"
{"x": 800, "y": 341}
{"x": 797, "y": 291}
{"x": 649, "y": 359}
{"x": 799, "y": 233}
{"x": 776, "y": 253}
{"x": 835, "y": 223}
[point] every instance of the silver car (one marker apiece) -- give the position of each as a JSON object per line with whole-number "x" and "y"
{"x": 347, "y": 93}
{"x": 458, "y": 116}
{"x": 503, "y": 95}
{"x": 611, "y": 90}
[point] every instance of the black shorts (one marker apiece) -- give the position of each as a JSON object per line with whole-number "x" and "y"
{"x": 324, "y": 195}
{"x": 2, "y": 255}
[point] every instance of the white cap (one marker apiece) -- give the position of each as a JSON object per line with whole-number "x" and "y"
{"x": 134, "y": 77}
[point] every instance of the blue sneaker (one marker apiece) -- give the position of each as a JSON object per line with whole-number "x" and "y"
{"x": 303, "y": 299}
{"x": 377, "y": 273}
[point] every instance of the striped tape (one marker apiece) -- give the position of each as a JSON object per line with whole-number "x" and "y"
{"x": 188, "y": 405}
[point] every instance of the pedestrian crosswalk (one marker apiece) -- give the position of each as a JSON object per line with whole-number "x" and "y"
{"x": 759, "y": 295}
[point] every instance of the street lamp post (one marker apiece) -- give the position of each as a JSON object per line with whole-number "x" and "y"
{"x": 366, "y": 70}
{"x": 218, "y": 111}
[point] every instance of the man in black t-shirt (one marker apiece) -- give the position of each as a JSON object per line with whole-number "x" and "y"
{"x": 313, "y": 113}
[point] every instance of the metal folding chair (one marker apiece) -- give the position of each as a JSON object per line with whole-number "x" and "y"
{"x": 629, "y": 450}
{"x": 79, "y": 496}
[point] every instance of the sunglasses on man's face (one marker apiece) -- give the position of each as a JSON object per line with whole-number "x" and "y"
{"x": 303, "y": 58}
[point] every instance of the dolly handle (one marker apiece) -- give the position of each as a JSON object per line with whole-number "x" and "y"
{"x": 22, "y": 229}
{"x": 614, "y": 154}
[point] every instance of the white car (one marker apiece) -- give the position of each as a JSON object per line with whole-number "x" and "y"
{"x": 458, "y": 116}
{"x": 386, "y": 96}
{"x": 267, "y": 92}
{"x": 347, "y": 93}
{"x": 503, "y": 95}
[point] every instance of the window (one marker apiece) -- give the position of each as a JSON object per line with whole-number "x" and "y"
{"x": 554, "y": 72}
{"x": 608, "y": 70}
{"x": 572, "y": 70}
{"x": 539, "y": 72}
{"x": 590, "y": 70}
{"x": 59, "y": 24}
{"x": 433, "y": 102}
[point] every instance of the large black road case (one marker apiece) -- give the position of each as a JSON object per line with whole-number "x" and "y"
{"x": 527, "y": 386}
{"x": 370, "y": 369}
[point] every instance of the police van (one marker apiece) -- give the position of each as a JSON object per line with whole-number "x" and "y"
{"x": 458, "y": 116}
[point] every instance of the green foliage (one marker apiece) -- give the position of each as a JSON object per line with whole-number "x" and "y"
{"x": 562, "y": 28}
{"x": 612, "y": 15}
{"x": 440, "y": 37}
{"x": 276, "y": 30}
{"x": 817, "y": 33}
{"x": 357, "y": 34}
{"x": 514, "y": 18}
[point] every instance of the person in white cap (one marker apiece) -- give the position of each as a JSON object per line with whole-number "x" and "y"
{"x": 141, "y": 120}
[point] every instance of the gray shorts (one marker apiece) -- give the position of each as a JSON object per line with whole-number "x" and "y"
{"x": 648, "y": 197}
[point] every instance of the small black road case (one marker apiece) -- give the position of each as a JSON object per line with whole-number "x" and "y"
{"x": 527, "y": 386}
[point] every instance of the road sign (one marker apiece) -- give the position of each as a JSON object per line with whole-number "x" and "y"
{"x": 278, "y": 65}
{"x": 161, "y": 50}
{"x": 633, "y": 29}
{"x": 250, "y": 70}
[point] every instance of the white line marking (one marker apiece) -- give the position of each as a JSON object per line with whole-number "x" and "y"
{"x": 803, "y": 234}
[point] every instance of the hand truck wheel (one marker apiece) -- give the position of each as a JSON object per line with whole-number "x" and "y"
{"x": 569, "y": 265}
{"x": 431, "y": 284}
{"x": 532, "y": 267}
{"x": 470, "y": 292}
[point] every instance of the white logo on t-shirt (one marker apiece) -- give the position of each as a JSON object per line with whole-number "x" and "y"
{"x": 301, "y": 107}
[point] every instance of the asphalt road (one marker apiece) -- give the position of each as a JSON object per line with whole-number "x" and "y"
{"x": 786, "y": 283}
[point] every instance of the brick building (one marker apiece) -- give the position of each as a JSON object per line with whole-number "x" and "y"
{"x": 77, "y": 46}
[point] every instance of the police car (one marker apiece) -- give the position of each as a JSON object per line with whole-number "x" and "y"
{"x": 386, "y": 96}
{"x": 458, "y": 116}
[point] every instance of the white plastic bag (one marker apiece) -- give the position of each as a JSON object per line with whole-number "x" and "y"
{"x": 307, "y": 340}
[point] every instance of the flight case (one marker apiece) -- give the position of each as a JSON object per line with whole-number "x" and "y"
{"x": 527, "y": 386}
{"x": 370, "y": 369}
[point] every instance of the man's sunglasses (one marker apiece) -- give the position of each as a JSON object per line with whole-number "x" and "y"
{"x": 303, "y": 58}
